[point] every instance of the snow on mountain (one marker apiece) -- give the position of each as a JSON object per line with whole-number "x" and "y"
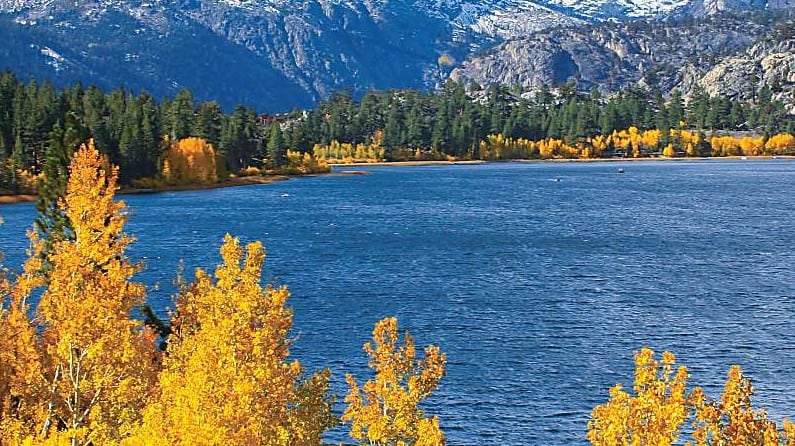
{"x": 283, "y": 53}
{"x": 622, "y": 9}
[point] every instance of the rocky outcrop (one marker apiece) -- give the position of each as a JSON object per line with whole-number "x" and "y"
{"x": 768, "y": 64}
{"x": 278, "y": 54}
{"x": 700, "y": 8}
{"x": 668, "y": 55}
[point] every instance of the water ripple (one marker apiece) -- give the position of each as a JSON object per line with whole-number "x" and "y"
{"x": 538, "y": 291}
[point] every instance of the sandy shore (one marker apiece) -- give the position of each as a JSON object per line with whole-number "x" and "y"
{"x": 10, "y": 199}
{"x": 409, "y": 163}
{"x": 232, "y": 182}
{"x": 567, "y": 160}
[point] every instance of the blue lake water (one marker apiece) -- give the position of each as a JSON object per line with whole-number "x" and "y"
{"x": 538, "y": 280}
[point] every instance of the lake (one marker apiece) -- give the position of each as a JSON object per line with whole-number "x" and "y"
{"x": 538, "y": 280}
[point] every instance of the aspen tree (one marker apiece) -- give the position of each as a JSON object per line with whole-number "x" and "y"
{"x": 384, "y": 410}
{"x": 98, "y": 364}
{"x": 227, "y": 378}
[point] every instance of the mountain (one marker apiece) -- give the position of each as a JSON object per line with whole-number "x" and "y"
{"x": 724, "y": 53}
{"x": 701, "y": 8}
{"x": 768, "y": 63}
{"x": 275, "y": 54}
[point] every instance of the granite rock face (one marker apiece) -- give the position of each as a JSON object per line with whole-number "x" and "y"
{"x": 726, "y": 54}
{"x": 769, "y": 63}
{"x": 278, "y": 54}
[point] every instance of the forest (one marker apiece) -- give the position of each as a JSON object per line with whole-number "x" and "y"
{"x": 150, "y": 139}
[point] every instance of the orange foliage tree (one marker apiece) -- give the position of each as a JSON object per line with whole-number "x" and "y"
{"x": 190, "y": 160}
{"x": 226, "y": 377}
{"x": 733, "y": 420}
{"x": 384, "y": 411}
{"x": 654, "y": 415}
{"x": 662, "y": 405}
{"x": 87, "y": 365}
{"x": 21, "y": 380}
{"x": 780, "y": 144}
{"x": 83, "y": 372}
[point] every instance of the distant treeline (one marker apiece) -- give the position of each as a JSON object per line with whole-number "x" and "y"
{"x": 38, "y": 122}
{"x": 455, "y": 120}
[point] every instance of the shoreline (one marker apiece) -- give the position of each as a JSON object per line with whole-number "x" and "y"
{"x": 411, "y": 163}
{"x": 231, "y": 182}
{"x": 565, "y": 160}
{"x": 254, "y": 180}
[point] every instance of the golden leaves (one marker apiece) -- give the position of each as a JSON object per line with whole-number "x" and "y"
{"x": 781, "y": 143}
{"x": 190, "y": 160}
{"x": 384, "y": 411}
{"x": 336, "y": 152}
{"x": 661, "y": 406}
{"x": 86, "y": 373}
{"x": 226, "y": 377}
{"x": 656, "y": 412}
{"x": 82, "y": 373}
{"x": 732, "y": 420}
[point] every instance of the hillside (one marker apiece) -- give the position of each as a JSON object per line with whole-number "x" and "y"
{"x": 275, "y": 54}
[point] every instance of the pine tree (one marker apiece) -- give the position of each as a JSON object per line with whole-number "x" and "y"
{"x": 52, "y": 224}
{"x": 277, "y": 152}
{"x": 181, "y": 116}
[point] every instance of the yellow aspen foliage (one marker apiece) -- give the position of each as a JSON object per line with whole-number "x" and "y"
{"x": 653, "y": 415}
{"x": 227, "y": 378}
{"x": 733, "y": 420}
{"x": 21, "y": 380}
{"x": 752, "y": 146}
{"x": 98, "y": 363}
{"x": 166, "y": 172}
{"x": 483, "y": 150}
{"x": 190, "y": 160}
{"x": 650, "y": 139}
{"x": 546, "y": 149}
{"x": 599, "y": 144}
{"x": 384, "y": 411}
{"x": 725, "y": 146}
{"x": 788, "y": 432}
{"x": 21, "y": 383}
{"x": 347, "y": 153}
{"x": 780, "y": 144}
{"x": 686, "y": 140}
{"x": 497, "y": 146}
{"x": 300, "y": 163}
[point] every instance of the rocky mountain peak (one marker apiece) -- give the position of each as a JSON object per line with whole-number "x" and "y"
{"x": 277, "y": 54}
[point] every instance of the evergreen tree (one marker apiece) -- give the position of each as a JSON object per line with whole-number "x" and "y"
{"x": 394, "y": 135}
{"x": 208, "y": 123}
{"x": 676, "y": 109}
{"x": 415, "y": 125}
{"x": 52, "y": 224}
{"x": 181, "y": 116}
{"x": 277, "y": 152}
{"x": 439, "y": 136}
